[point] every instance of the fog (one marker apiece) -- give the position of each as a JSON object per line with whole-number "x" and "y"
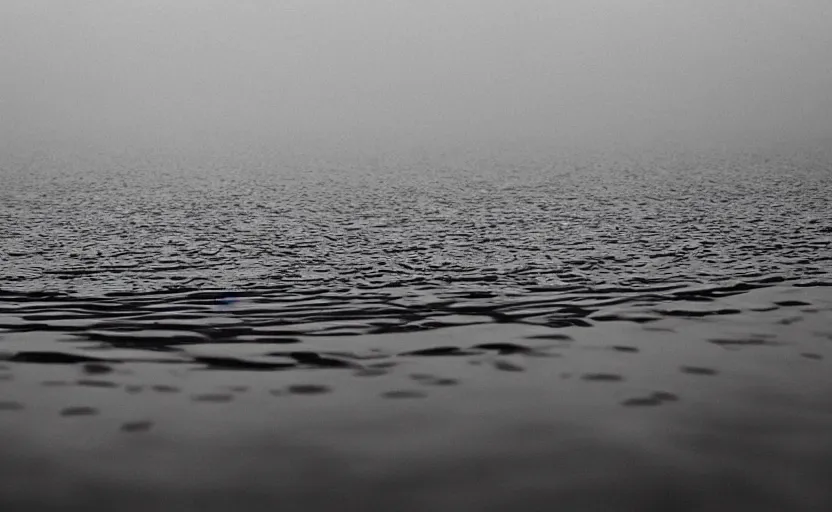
{"x": 387, "y": 75}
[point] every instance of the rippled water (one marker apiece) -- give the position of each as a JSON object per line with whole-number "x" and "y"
{"x": 543, "y": 299}
{"x": 502, "y": 228}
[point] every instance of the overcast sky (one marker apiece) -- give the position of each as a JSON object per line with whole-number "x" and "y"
{"x": 379, "y": 74}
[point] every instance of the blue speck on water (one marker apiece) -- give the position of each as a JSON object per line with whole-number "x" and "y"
{"x": 227, "y": 300}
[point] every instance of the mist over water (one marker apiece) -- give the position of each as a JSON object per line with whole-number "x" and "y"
{"x": 373, "y": 77}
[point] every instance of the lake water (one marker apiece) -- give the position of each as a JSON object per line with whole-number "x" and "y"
{"x": 582, "y": 334}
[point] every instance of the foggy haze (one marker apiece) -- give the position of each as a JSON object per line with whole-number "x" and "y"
{"x": 371, "y": 76}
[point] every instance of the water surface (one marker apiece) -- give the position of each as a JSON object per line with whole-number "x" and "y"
{"x": 470, "y": 336}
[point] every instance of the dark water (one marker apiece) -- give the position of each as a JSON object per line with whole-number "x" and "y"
{"x": 403, "y": 327}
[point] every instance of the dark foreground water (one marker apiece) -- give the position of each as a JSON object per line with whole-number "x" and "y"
{"x": 593, "y": 335}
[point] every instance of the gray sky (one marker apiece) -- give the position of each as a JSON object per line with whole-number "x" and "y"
{"x": 373, "y": 75}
